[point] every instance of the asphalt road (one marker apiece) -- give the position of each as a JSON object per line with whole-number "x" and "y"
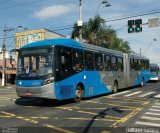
{"x": 132, "y": 109}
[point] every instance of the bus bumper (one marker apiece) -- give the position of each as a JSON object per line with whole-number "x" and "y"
{"x": 46, "y": 91}
{"x": 154, "y": 79}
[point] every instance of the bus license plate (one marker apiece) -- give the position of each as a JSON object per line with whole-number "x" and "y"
{"x": 28, "y": 93}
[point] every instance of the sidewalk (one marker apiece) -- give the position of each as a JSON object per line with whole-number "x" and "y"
{"x": 7, "y": 86}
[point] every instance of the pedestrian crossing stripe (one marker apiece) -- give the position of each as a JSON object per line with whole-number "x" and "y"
{"x": 120, "y": 93}
{"x": 157, "y": 96}
{"x": 156, "y": 110}
{"x": 134, "y": 93}
{"x": 124, "y": 93}
{"x": 147, "y": 124}
{"x": 150, "y": 118}
{"x": 156, "y": 106}
{"x": 157, "y": 103}
{"x": 150, "y": 113}
{"x": 146, "y": 94}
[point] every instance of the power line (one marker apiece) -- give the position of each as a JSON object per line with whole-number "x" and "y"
{"x": 7, "y": 37}
{"x": 117, "y": 19}
{"x": 134, "y": 14}
{"x": 21, "y": 4}
{"x": 145, "y": 14}
{"x": 4, "y": 1}
{"x": 122, "y": 18}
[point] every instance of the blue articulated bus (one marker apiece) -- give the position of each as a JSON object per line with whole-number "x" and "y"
{"x": 63, "y": 69}
{"x": 154, "y": 72}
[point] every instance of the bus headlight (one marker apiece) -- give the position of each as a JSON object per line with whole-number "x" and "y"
{"x": 48, "y": 81}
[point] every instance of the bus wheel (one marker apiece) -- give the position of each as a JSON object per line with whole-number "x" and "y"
{"x": 115, "y": 88}
{"x": 78, "y": 94}
{"x": 142, "y": 82}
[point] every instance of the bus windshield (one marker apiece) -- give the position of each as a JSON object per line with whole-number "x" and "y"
{"x": 153, "y": 70}
{"x": 34, "y": 65}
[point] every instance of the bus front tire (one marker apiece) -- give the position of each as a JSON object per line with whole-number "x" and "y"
{"x": 115, "y": 88}
{"x": 78, "y": 94}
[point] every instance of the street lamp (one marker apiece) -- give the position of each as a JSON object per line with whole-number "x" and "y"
{"x": 153, "y": 40}
{"x": 104, "y": 2}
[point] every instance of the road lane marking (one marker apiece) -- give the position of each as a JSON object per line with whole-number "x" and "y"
{"x": 7, "y": 92}
{"x": 35, "y": 122}
{"x": 120, "y": 93}
{"x": 156, "y": 106}
{"x": 126, "y": 99}
{"x": 3, "y": 105}
{"x": 45, "y": 118}
{"x": 85, "y": 108}
{"x": 134, "y": 93}
{"x": 150, "y": 113}
{"x": 57, "y": 128}
{"x": 157, "y": 103}
{"x": 84, "y": 119}
{"x": 107, "y": 116}
{"x": 92, "y": 102}
{"x": 20, "y": 117}
{"x": 121, "y": 106}
{"x": 150, "y": 118}
{"x": 122, "y": 102}
{"x": 98, "y": 102}
{"x": 91, "y": 113}
{"x": 6, "y": 98}
{"x": 146, "y": 102}
{"x": 147, "y": 124}
{"x": 5, "y": 116}
{"x": 155, "y": 110}
{"x": 146, "y": 94}
{"x": 157, "y": 96}
{"x": 126, "y": 118}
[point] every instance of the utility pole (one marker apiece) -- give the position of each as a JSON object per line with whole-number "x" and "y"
{"x": 80, "y": 22}
{"x": 3, "y": 52}
{"x": 4, "y": 60}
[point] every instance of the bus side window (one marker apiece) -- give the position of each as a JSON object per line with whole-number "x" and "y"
{"x": 89, "y": 61}
{"x": 147, "y": 64}
{"x": 139, "y": 64}
{"x": 78, "y": 64}
{"x": 135, "y": 61}
{"x": 65, "y": 60}
{"x": 114, "y": 63}
{"x": 131, "y": 65}
{"x": 120, "y": 64}
{"x": 143, "y": 65}
{"x": 107, "y": 62}
{"x": 98, "y": 62}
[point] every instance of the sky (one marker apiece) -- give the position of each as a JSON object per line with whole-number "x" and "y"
{"x": 60, "y": 15}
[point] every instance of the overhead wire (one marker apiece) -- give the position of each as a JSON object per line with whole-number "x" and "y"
{"x": 4, "y": 1}
{"x": 116, "y": 19}
{"x": 21, "y": 4}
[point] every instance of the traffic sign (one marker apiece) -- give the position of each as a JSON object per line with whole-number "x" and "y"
{"x": 153, "y": 22}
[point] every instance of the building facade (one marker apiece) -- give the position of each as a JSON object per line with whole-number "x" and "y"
{"x": 23, "y": 38}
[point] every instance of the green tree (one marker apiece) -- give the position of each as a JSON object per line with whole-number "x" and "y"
{"x": 96, "y": 32}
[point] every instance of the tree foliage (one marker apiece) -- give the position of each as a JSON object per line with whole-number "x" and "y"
{"x": 96, "y": 32}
